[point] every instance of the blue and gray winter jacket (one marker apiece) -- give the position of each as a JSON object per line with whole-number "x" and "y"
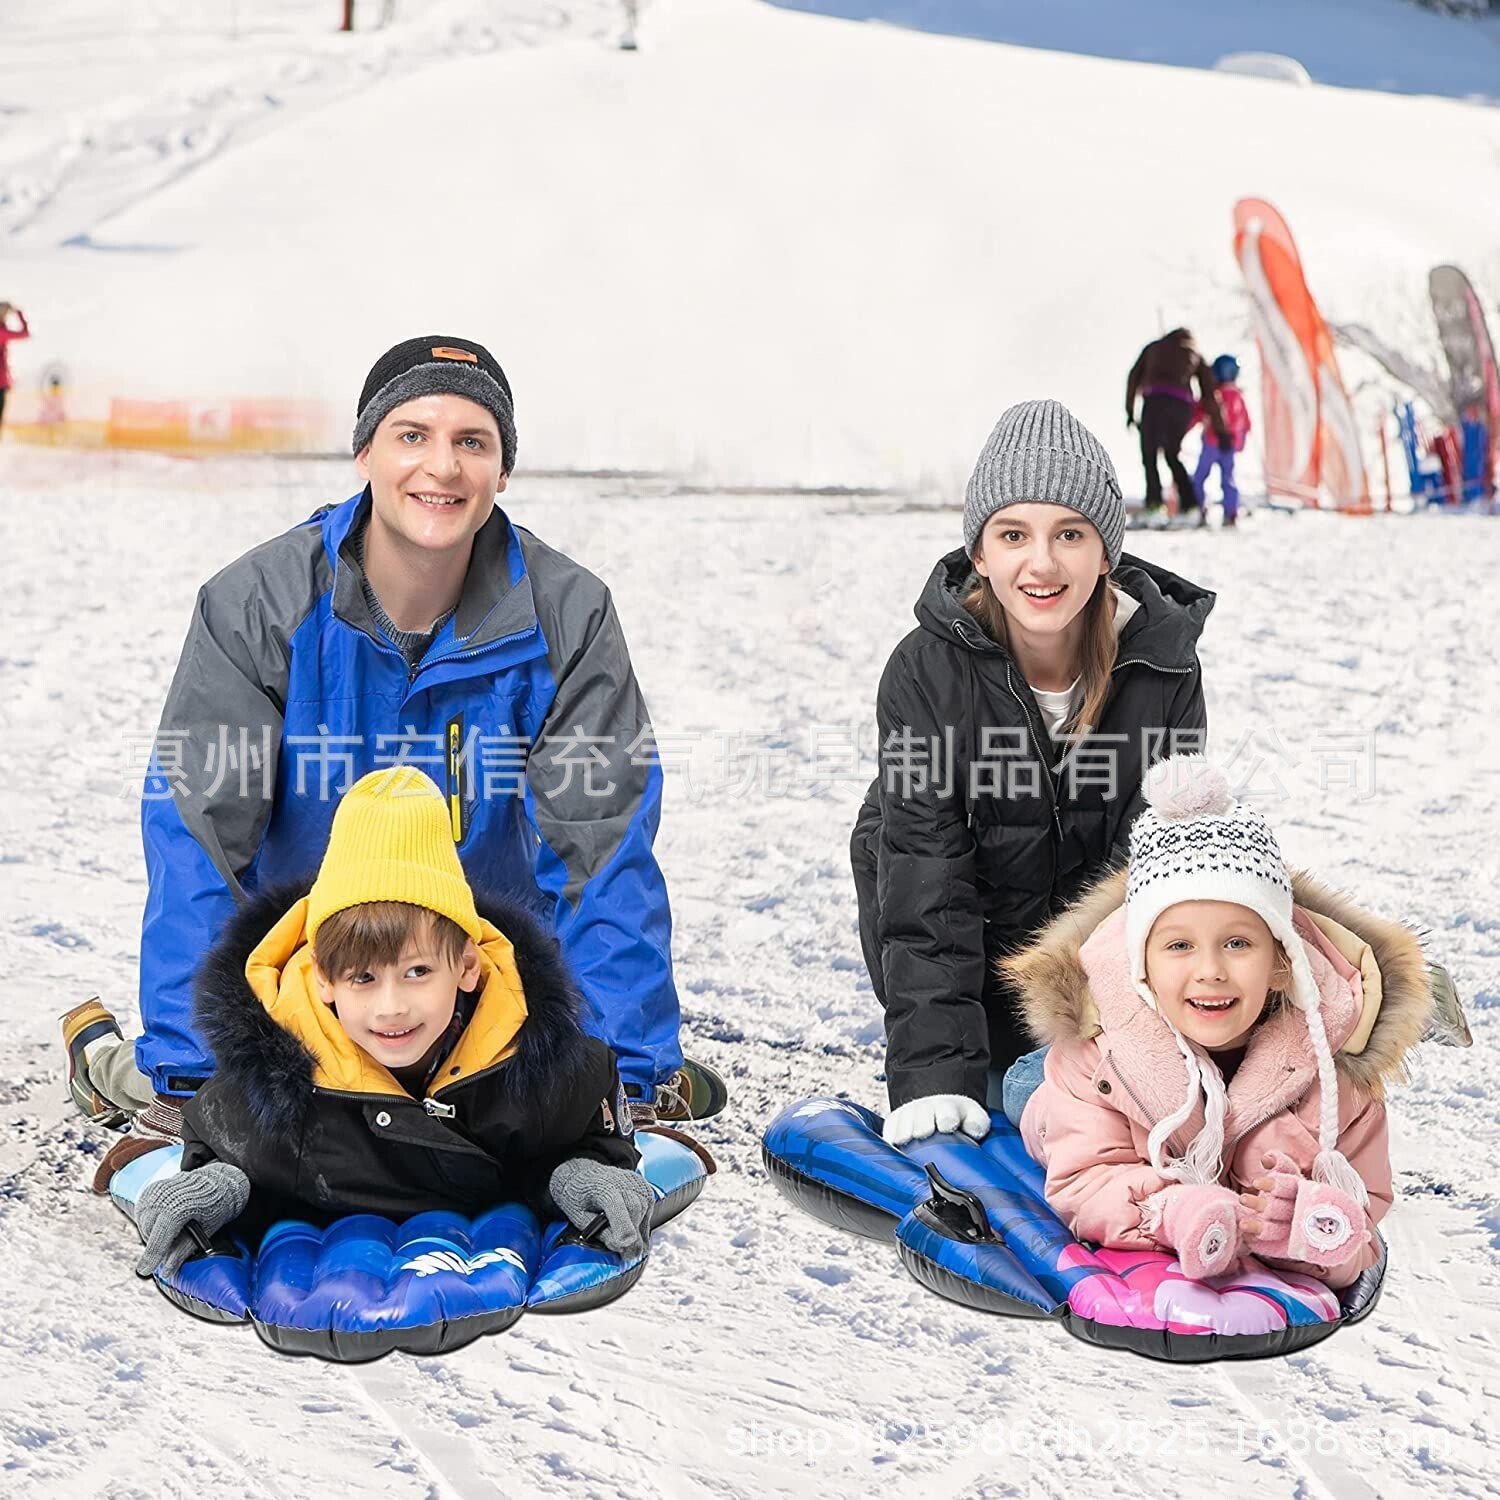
{"x": 524, "y": 710}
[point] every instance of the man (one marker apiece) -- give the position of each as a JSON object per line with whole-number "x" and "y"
{"x": 412, "y": 623}
{"x": 1163, "y": 376}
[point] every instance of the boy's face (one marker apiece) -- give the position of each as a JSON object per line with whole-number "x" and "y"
{"x": 434, "y": 469}
{"x": 396, "y": 1012}
{"x": 1210, "y": 965}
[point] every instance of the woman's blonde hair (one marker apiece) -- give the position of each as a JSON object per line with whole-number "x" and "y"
{"x": 1100, "y": 644}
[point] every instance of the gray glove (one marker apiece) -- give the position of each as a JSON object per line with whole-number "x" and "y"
{"x": 212, "y": 1196}
{"x": 584, "y": 1189}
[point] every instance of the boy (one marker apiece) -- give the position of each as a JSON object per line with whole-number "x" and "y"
{"x": 380, "y": 1047}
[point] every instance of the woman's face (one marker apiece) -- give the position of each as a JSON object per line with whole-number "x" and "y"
{"x": 1043, "y": 562}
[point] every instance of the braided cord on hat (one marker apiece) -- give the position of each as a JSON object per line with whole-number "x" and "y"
{"x": 1330, "y": 1165}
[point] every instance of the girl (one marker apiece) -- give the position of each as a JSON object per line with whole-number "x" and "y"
{"x": 1015, "y": 722}
{"x": 7, "y": 336}
{"x": 1219, "y": 1047}
{"x": 1234, "y": 425}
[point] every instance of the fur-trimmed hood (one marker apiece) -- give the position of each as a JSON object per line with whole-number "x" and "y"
{"x": 275, "y": 1071}
{"x": 1388, "y": 978}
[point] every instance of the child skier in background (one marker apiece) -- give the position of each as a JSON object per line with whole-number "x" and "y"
{"x": 1233, "y": 423}
{"x": 7, "y": 336}
{"x": 1214, "y": 1085}
{"x": 381, "y": 1047}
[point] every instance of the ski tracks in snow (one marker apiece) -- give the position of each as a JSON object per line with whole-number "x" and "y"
{"x": 762, "y": 1354}
{"x": 115, "y": 152}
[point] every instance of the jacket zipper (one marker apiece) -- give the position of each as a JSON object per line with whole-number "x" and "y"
{"x": 455, "y": 778}
{"x": 1140, "y": 661}
{"x": 1140, "y": 1103}
{"x": 502, "y": 640}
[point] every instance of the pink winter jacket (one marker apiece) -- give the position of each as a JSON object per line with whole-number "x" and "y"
{"x": 1114, "y": 1069}
{"x": 1235, "y": 413}
{"x": 7, "y": 336}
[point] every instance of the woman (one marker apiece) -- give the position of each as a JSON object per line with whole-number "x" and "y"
{"x": 1016, "y": 722}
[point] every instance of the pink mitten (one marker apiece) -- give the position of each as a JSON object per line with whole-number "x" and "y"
{"x": 1199, "y": 1221}
{"x": 1304, "y": 1220}
{"x": 1280, "y": 1199}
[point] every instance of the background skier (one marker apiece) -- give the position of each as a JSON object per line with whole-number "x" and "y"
{"x": 1163, "y": 376}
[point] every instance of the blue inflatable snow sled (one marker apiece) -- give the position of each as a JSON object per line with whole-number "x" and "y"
{"x": 366, "y": 1285}
{"x": 971, "y": 1223}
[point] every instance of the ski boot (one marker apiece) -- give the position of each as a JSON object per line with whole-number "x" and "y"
{"x": 86, "y": 1023}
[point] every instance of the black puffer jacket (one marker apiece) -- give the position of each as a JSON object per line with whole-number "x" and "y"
{"x": 951, "y": 877}
{"x": 322, "y": 1130}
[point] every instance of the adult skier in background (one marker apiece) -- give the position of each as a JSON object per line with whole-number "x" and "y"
{"x": 1164, "y": 376}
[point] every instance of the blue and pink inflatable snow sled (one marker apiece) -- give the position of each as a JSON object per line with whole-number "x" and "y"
{"x": 366, "y": 1285}
{"x": 971, "y": 1223}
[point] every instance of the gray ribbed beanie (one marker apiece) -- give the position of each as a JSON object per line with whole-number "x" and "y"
{"x": 1039, "y": 451}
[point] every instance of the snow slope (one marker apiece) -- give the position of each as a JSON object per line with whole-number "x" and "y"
{"x": 771, "y": 248}
{"x": 762, "y": 1354}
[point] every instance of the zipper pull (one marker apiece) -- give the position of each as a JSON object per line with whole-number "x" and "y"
{"x": 439, "y": 1111}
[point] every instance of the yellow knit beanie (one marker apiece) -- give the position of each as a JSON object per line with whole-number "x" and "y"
{"x": 392, "y": 841}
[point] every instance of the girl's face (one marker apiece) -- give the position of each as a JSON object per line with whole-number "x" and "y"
{"x": 1210, "y": 965}
{"x": 1043, "y": 562}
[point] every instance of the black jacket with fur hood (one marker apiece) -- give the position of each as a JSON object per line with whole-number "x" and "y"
{"x": 322, "y": 1129}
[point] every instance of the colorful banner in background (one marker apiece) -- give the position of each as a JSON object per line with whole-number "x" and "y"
{"x": 63, "y": 416}
{"x": 1308, "y": 424}
{"x": 1474, "y": 381}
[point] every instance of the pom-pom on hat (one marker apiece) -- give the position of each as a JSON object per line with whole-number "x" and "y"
{"x": 1195, "y": 842}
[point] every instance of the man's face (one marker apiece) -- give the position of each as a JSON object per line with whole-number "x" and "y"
{"x": 434, "y": 468}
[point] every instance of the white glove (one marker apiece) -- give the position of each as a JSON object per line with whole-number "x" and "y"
{"x": 920, "y": 1118}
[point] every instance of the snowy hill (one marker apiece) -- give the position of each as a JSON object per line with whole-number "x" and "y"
{"x": 1365, "y": 44}
{"x": 772, "y": 248}
{"x": 660, "y": 246}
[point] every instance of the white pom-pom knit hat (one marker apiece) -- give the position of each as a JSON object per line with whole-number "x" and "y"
{"x": 1194, "y": 842}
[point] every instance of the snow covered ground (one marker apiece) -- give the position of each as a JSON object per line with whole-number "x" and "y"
{"x": 762, "y": 1354}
